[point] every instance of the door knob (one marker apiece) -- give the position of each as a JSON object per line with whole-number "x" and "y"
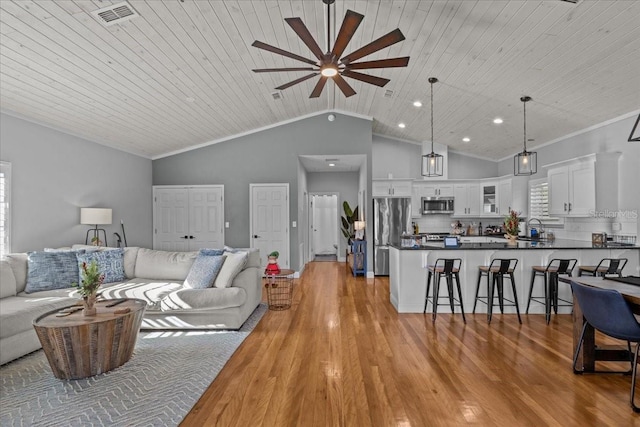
{"x": 191, "y": 237}
{"x": 184, "y": 237}
{"x": 255, "y": 236}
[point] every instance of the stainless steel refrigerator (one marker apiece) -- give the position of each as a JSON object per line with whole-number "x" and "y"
{"x": 391, "y": 218}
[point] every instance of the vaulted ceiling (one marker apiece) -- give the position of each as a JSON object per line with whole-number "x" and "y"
{"x": 179, "y": 75}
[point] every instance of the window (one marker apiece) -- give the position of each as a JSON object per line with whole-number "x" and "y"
{"x": 539, "y": 202}
{"x": 5, "y": 211}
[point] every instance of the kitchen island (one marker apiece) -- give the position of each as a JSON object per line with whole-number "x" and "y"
{"x": 408, "y": 273}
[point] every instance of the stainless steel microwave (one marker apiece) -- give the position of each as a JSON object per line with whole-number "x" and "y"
{"x": 437, "y": 205}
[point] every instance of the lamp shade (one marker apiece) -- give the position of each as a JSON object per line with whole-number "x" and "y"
{"x": 358, "y": 225}
{"x": 95, "y": 216}
{"x": 432, "y": 164}
{"x": 525, "y": 163}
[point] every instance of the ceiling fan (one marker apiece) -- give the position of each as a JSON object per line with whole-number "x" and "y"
{"x": 331, "y": 64}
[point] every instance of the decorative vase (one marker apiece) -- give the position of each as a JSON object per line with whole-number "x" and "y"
{"x": 511, "y": 239}
{"x": 89, "y": 303}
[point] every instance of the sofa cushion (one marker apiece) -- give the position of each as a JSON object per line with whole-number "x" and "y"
{"x": 193, "y": 299}
{"x": 211, "y": 252}
{"x": 233, "y": 264}
{"x": 163, "y": 265}
{"x": 7, "y": 280}
{"x": 150, "y": 290}
{"x": 110, "y": 263}
{"x": 19, "y": 313}
{"x": 18, "y": 263}
{"x": 204, "y": 271}
{"x": 51, "y": 270}
{"x": 130, "y": 256}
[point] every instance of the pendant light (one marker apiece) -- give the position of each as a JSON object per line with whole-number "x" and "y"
{"x": 525, "y": 163}
{"x": 432, "y": 162}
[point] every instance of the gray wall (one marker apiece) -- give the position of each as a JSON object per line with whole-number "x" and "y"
{"x": 268, "y": 156}
{"x": 403, "y": 160}
{"x": 605, "y": 139}
{"x": 54, "y": 174}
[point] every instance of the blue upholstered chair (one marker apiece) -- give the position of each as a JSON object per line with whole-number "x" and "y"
{"x": 608, "y": 312}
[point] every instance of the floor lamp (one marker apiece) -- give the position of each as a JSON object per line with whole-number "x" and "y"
{"x": 95, "y": 216}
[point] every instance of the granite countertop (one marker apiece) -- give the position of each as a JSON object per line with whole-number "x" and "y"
{"x": 522, "y": 244}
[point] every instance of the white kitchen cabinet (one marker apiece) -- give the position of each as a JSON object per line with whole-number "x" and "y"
{"x": 391, "y": 188}
{"x": 438, "y": 190}
{"x": 467, "y": 199}
{"x": 505, "y": 197}
{"x": 572, "y": 188}
{"x": 489, "y": 199}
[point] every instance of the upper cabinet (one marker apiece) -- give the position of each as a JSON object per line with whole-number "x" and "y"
{"x": 572, "y": 188}
{"x": 391, "y": 188}
{"x": 440, "y": 189}
{"x": 467, "y": 199}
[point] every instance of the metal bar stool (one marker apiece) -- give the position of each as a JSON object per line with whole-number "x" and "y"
{"x": 496, "y": 271}
{"x": 450, "y": 269}
{"x": 606, "y": 266}
{"x": 555, "y": 268}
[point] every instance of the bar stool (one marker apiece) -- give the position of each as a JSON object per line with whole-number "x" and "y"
{"x": 496, "y": 271}
{"x": 606, "y": 266}
{"x": 450, "y": 269}
{"x": 555, "y": 268}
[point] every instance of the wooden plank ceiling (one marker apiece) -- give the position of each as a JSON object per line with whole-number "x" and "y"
{"x": 179, "y": 75}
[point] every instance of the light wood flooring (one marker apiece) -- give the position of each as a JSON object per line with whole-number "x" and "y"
{"x": 342, "y": 356}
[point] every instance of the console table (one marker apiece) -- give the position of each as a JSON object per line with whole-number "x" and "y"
{"x": 79, "y": 346}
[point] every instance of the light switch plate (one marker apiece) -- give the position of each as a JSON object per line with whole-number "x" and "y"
{"x": 226, "y": 224}
{"x": 294, "y": 224}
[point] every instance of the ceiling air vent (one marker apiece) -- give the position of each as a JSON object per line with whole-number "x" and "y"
{"x": 277, "y": 95}
{"x": 115, "y": 14}
{"x": 388, "y": 93}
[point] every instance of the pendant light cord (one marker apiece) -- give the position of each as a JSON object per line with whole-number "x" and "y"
{"x": 432, "y": 118}
{"x": 524, "y": 104}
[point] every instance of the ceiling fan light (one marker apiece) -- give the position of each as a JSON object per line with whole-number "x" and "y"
{"x": 329, "y": 70}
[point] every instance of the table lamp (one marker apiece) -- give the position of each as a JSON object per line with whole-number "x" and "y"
{"x": 95, "y": 216}
{"x": 359, "y": 228}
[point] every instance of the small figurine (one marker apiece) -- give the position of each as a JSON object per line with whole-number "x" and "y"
{"x": 272, "y": 266}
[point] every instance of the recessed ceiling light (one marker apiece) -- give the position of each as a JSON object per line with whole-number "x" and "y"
{"x": 332, "y": 164}
{"x": 497, "y": 120}
{"x": 402, "y": 125}
{"x": 417, "y": 104}
{"x": 466, "y": 139}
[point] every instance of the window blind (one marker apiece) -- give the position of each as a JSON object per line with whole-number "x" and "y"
{"x": 5, "y": 195}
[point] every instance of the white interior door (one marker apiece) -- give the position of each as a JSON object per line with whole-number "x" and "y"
{"x": 188, "y": 218}
{"x": 270, "y": 221}
{"x": 325, "y": 224}
{"x": 171, "y": 222}
{"x": 206, "y": 218}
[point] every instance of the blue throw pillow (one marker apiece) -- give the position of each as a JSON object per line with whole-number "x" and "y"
{"x": 110, "y": 263}
{"x": 51, "y": 270}
{"x": 204, "y": 271}
{"x": 211, "y": 252}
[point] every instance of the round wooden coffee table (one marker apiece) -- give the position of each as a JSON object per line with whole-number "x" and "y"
{"x": 79, "y": 346}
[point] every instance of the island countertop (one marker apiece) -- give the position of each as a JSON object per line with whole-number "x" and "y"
{"x": 520, "y": 244}
{"x": 408, "y": 273}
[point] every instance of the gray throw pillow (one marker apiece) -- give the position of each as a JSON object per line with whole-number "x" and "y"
{"x": 51, "y": 270}
{"x": 110, "y": 263}
{"x": 204, "y": 271}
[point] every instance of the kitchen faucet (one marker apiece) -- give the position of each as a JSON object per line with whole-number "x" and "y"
{"x": 540, "y": 230}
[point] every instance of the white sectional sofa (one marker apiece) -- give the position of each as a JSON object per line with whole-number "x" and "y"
{"x": 154, "y": 276}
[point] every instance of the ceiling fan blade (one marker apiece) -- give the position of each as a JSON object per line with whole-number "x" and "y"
{"x": 344, "y": 86}
{"x": 319, "y": 87}
{"x": 268, "y": 47}
{"x": 269, "y": 70}
{"x": 296, "y": 81}
{"x": 302, "y": 32}
{"x": 349, "y": 26}
{"x": 378, "y": 81}
{"x": 381, "y": 63}
{"x": 387, "y": 40}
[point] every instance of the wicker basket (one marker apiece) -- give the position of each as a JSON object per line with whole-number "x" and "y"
{"x": 279, "y": 290}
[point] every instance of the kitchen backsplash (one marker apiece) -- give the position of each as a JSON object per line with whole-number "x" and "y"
{"x": 625, "y": 223}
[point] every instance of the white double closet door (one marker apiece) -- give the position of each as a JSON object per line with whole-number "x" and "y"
{"x": 188, "y": 218}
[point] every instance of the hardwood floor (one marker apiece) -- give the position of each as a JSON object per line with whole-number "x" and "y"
{"x": 342, "y": 356}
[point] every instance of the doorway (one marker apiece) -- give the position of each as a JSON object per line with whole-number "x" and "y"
{"x": 324, "y": 229}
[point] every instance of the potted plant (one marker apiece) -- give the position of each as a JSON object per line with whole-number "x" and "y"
{"x": 348, "y": 220}
{"x": 91, "y": 279}
{"x": 512, "y": 226}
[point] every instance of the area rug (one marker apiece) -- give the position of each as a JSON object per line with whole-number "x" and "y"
{"x": 166, "y": 376}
